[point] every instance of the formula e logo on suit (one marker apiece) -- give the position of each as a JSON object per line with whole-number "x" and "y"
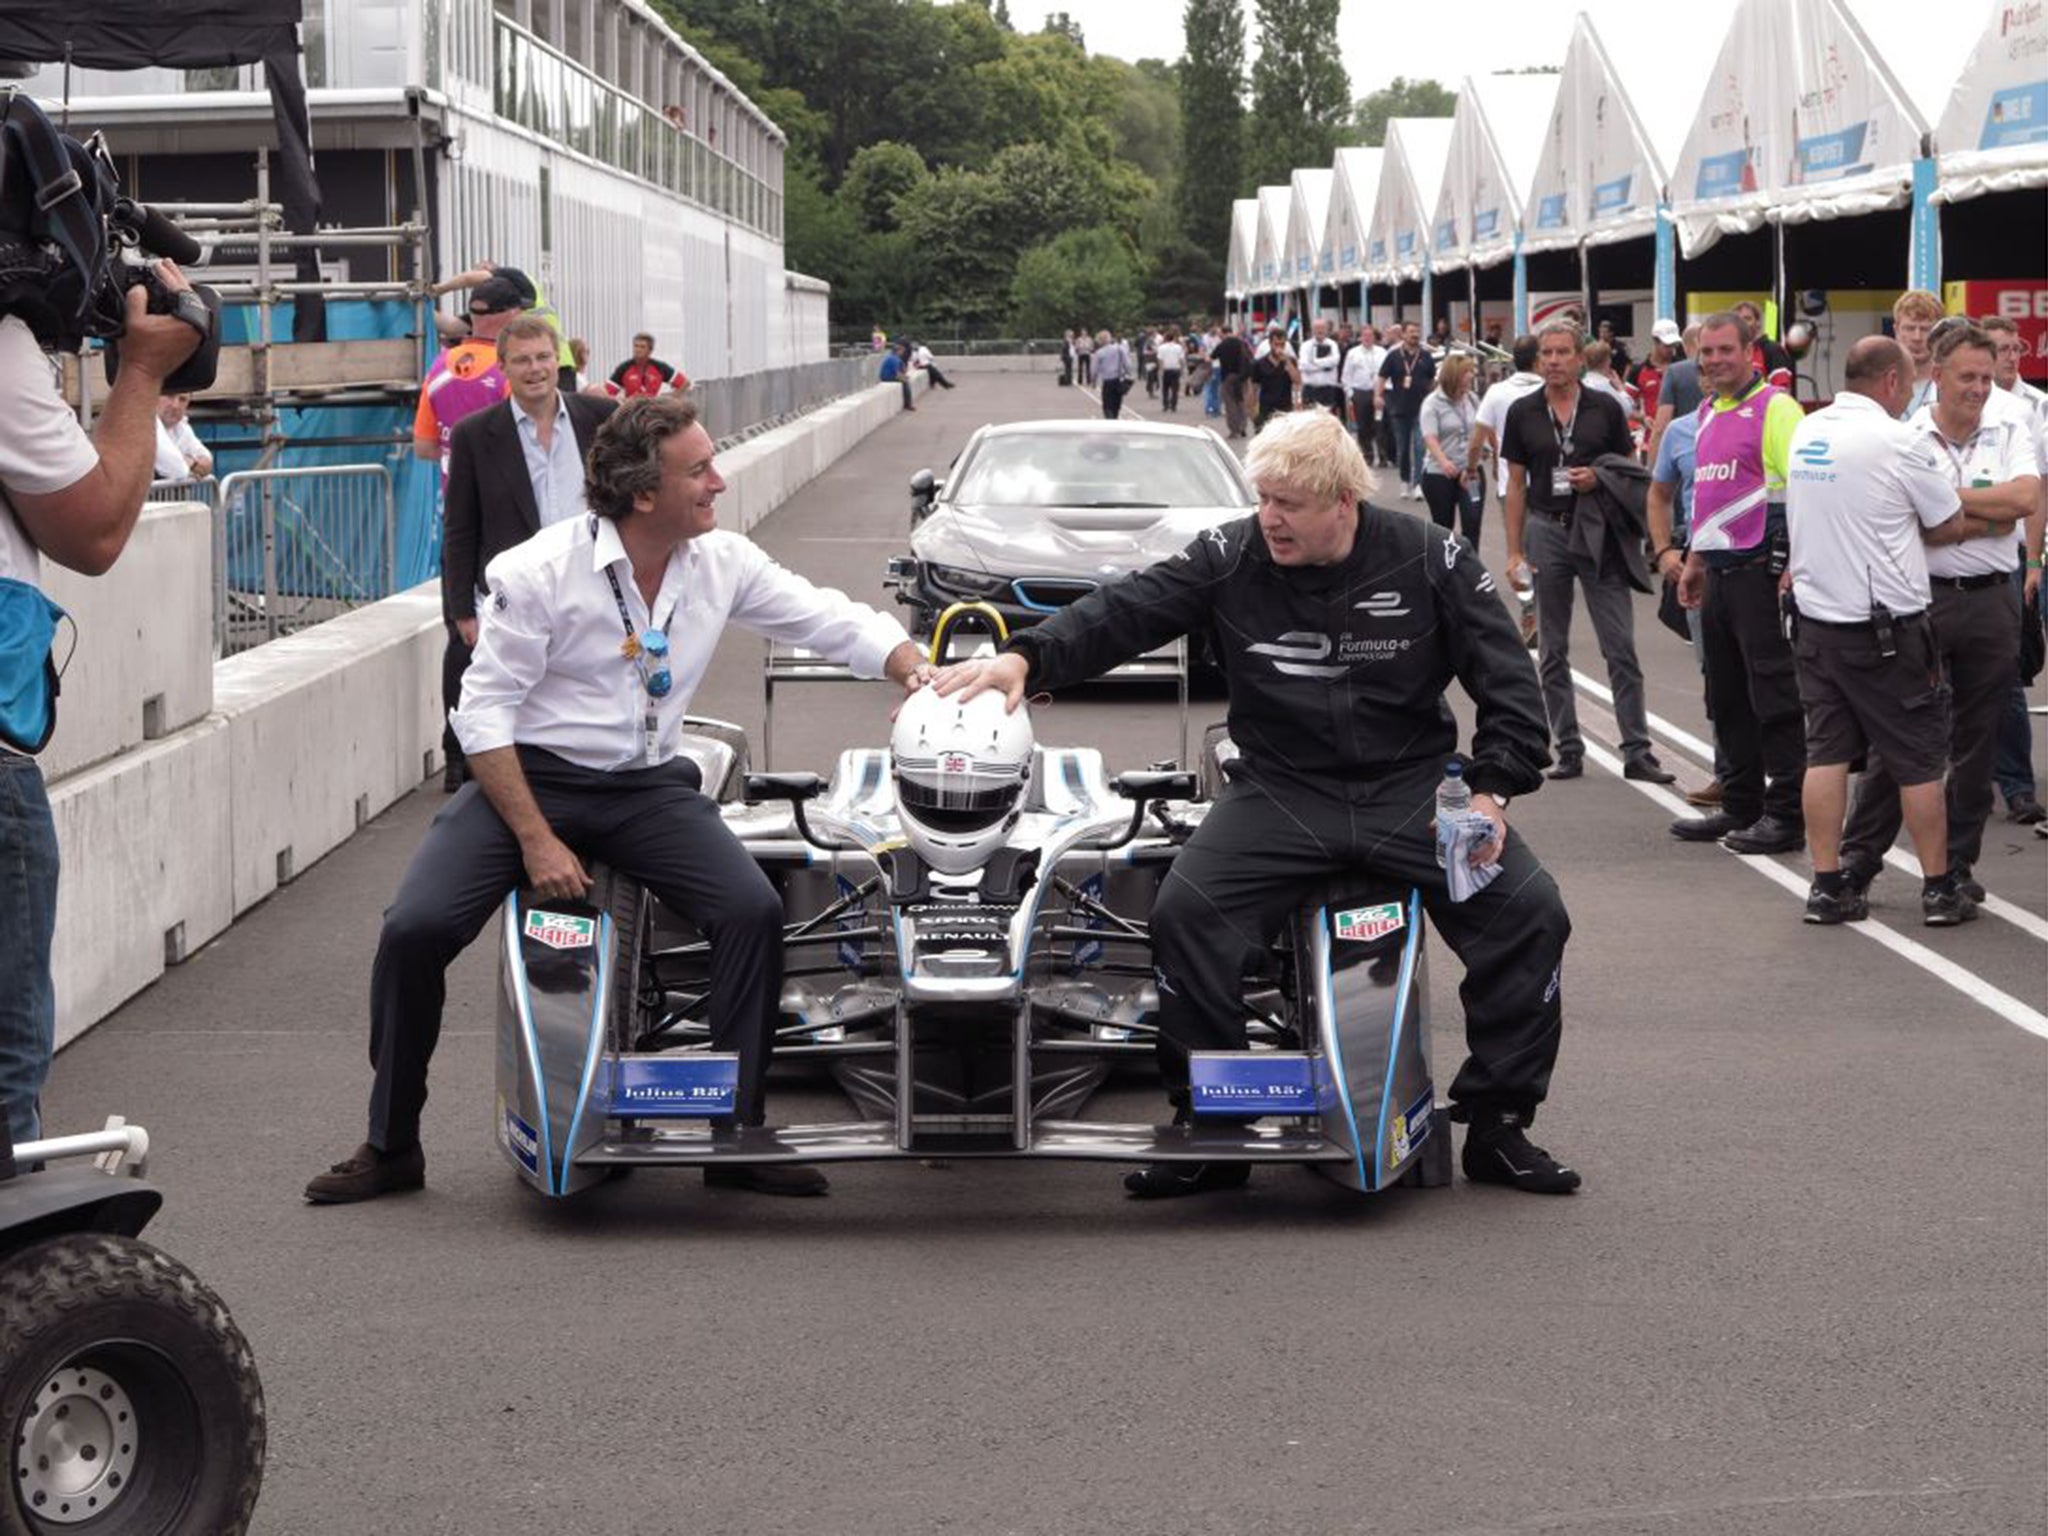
{"x": 1816, "y": 454}
{"x": 1382, "y": 605}
{"x": 1300, "y": 654}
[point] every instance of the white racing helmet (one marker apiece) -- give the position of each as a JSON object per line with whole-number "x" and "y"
{"x": 960, "y": 770}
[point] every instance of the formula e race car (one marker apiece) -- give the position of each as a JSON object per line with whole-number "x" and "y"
{"x": 967, "y": 954}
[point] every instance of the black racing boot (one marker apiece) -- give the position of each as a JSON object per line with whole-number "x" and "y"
{"x": 1497, "y": 1151}
{"x": 1162, "y": 1181}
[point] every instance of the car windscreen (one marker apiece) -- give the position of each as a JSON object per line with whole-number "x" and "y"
{"x": 1107, "y": 469}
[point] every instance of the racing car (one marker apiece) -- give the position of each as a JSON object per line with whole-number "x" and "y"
{"x": 967, "y": 954}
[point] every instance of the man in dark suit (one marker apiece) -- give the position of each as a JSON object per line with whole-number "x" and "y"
{"x": 513, "y": 469}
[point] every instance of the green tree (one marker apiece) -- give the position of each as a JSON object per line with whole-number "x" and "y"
{"x": 1183, "y": 280}
{"x": 878, "y": 177}
{"x": 1404, "y": 98}
{"x": 1060, "y": 24}
{"x": 1211, "y": 120}
{"x": 1300, "y": 93}
{"x": 1087, "y": 277}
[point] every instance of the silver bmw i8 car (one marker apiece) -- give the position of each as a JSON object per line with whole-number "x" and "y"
{"x": 1037, "y": 514}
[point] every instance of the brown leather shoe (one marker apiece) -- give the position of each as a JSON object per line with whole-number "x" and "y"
{"x": 367, "y": 1173}
{"x": 1706, "y": 797}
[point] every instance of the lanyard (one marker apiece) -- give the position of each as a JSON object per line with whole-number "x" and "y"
{"x": 1564, "y": 433}
{"x": 1959, "y": 462}
{"x": 649, "y": 720}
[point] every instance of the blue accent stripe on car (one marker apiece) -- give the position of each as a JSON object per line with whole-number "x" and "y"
{"x": 1336, "y": 1046}
{"x": 597, "y": 1013}
{"x": 523, "y": 1000}
{"x": 1408, "y": 953}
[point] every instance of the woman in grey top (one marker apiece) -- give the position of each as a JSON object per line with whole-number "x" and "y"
{"x": 1446, "y": 425}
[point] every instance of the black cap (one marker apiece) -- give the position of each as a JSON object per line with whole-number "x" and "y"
{"x": 528, "y": 294}
{"x": 495, "y": 296}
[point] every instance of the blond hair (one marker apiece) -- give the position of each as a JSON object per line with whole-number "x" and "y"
{"x": 1311, "y": 452}
{"x": 1455, "y": 374}
{"x": 1917, "y": 304}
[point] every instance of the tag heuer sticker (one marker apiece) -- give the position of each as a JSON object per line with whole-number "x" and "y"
{"x": 559, "y": 930}
{"x": 1364, "y": 924}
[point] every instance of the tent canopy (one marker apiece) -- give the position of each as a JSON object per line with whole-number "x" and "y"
{"x": 1307, "y": 252}
{"x": 1496, "y": 136}
{"x": 1356, "y": 190}
{"x": 1268, "y": 276}
{"x": 1411, "y": 176}
{"x": 1803, "y": 120}
{"x": 1244, "y": 248}
{"x": 1986, "y": 96}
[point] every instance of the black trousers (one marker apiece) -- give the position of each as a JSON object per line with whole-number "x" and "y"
{"x": 1113, "y": 396}
{"x": 1753, "y": 687}
{"x": 454, "y": 662}
{"x": 1265, "y": 845}
{"x": 1450, "y": 500}
{"x": 1362, "y": 423}
{"x": 1977, "y": 637}
{"x": 1169, "y": 389}
{"x": 651, "y": 824}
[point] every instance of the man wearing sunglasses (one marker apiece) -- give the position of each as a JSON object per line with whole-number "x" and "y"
{"x": 593, "y": 636}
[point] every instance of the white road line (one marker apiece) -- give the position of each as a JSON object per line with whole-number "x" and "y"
{"x": 1939, "y": 966}
{"x": 1126, "y": 409}
{"x": 1703, "y": 751}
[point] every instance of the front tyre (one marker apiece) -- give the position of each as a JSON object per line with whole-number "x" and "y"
{"x": 128, "y": 1397}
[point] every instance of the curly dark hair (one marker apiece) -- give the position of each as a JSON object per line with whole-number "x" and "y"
{"x": 625, "y": 456}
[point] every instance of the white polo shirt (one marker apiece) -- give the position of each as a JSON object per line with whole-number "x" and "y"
{"x": 1493, "y": 415}
{"x": 2002, "y": 448}
{"x": 1861, "y": 487}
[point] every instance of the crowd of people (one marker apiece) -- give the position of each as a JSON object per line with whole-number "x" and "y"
{"x": 1682, "y": 475}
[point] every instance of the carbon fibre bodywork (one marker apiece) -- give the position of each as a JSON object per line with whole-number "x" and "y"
{"x": 963, "y": 1018}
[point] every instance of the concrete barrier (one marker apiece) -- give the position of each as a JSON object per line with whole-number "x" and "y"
{"x": 143, "y": 666}
{"x": 263, "y": 763}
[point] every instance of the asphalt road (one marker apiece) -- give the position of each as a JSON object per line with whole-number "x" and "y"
{"x": 1802, "y": 1290}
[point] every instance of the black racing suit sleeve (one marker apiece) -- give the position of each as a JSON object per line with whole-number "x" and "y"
{"x": 1511, "y": 734}
{"x": 1127, "y": 618}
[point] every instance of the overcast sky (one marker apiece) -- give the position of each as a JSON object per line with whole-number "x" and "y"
{"x": 1430, "y": 38}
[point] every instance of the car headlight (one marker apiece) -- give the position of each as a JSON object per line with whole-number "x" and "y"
{"x": 952, "y": 578}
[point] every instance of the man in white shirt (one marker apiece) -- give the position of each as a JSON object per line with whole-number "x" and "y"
{"x": 1321, "y": 361}
{"x": 1357, "y": 379}
{"x": 1992, "y": 465}
{"x": 1172, "y": 356}
{"x": 921, "y": 357}
{"x": 2014, "y": 770}
{"x": 1864, "y": 494}
{"x": 179, "y": 453}
{"x": 573, "y": 742}
{"x": 1493, "y": 412}
{"x": 74, "y": 499}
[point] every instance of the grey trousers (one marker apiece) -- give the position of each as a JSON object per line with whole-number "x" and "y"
{"x": 1611, "y": 602}
{"x": 1977, "y": 636}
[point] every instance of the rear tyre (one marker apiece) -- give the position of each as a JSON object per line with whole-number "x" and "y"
{"x": 128, "y": 1397}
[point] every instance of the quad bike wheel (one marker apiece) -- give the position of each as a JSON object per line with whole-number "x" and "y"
{"x": 128, "y": 1397}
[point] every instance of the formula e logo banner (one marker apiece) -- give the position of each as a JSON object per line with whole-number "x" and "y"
{"x": 658, "y": 1087}
{"x": 1251, "y": 1083}
{"x": 560, "y": 930}
{"x": 1364, "y": 924}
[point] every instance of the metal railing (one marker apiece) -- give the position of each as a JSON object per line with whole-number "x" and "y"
{"x": 294, "y": 546}
{"x": 736, "y": 408}
{"x": 205, "y": 488}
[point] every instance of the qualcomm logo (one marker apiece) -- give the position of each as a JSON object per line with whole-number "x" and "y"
{"x": 1381, "y": 605}
{"x": 1297, "y": 654}
{"x": 1816, "y": 454}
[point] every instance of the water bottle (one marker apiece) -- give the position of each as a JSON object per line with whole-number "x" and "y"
{"x": 1453, "y": 800}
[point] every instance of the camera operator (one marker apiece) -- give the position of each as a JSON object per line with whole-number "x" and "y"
{"x": 75, "y": 499}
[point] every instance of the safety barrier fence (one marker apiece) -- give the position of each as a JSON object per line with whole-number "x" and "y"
{"x": 294, "y": 546}
{"x": 750, "y": 403}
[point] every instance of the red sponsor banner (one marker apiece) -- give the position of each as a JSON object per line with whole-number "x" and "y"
{"x": 2022, "y": 300}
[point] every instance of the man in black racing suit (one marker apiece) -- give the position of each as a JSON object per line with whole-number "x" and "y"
{"x": 1338, "y": 626}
